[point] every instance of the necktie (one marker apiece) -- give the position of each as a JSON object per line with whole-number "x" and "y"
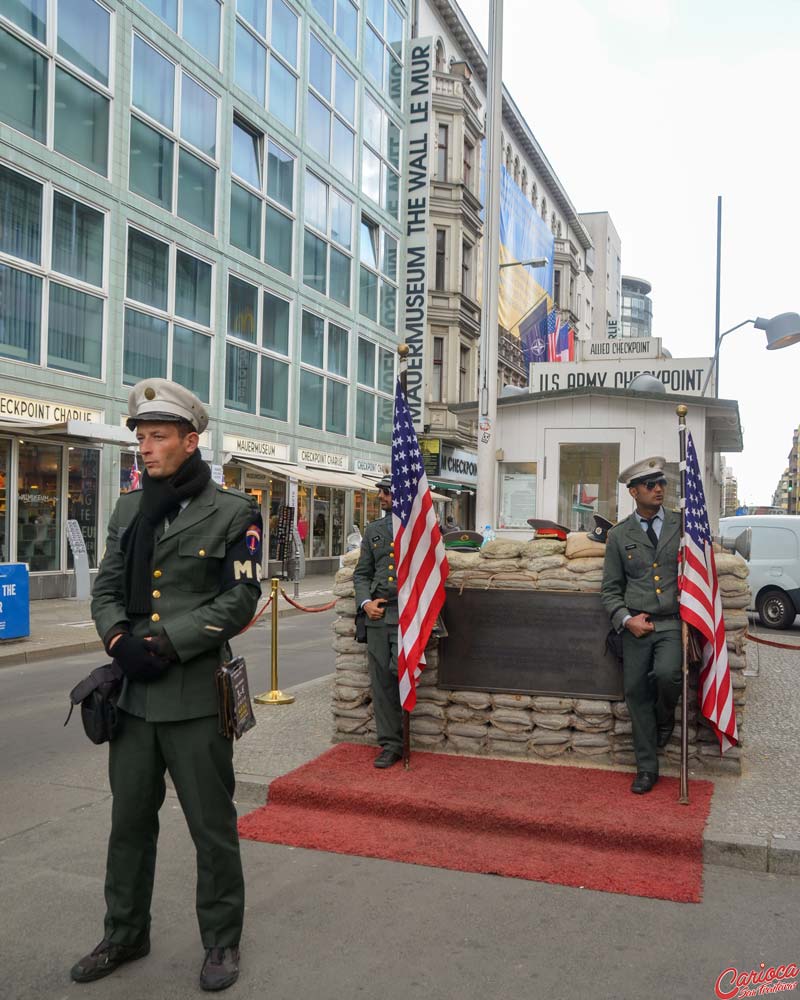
{"x": 651, "y": 531}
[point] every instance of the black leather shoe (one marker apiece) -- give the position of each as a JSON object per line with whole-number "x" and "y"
{"x": 386, "y": 758}
{"x": 220, "y": 969}
{"x": 643, "y": 782}
{"x": 106, "y": 958}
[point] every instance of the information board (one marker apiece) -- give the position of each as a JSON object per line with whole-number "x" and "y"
{"x": 15, "y": 606}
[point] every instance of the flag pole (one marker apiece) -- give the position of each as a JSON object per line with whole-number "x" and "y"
{"x": 402, "y": 351}
{"x": 683, "y": 797}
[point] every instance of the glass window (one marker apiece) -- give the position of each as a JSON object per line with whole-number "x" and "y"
{"x": 385, "y": 371}
{"x": 389, "y": 258}
{"x": 340, "y": 277}
{"x": 373, "y": 57}
{"x": 321, "y": 523}
{"x": 81, "y": 122}
{"x": 75, "y": 331}
{"x": 82, "y": 491}
{"x": 320, "y": 62}
{"x": 251, "y": 64}
{"x": 342, "y": 149}
{"x": 316, "y": 203}
{"x": 191, "y": 361}
{"x": 315, "y": 262}
{"x": 337, "y": 350}
{"x": 372, "y": 125}
{"x": 337, "y": 522}
{"x": 83, "y": 36}
{"x": 311, "y": 389}
{"x": 245, "y": 221}
{"x": 20, "y": 315}
{"x": 279, "y": 240}
{"x": 318, "y": 134}
{"x": 345, "y": 93}
{"x": 77, "y": 239}
{"x": 201, "y": 27}
{"x": 341, "y": 220}
{"x": 375, "y": 9}
{"x": 167, "y": 10}
{"x": 23, "y": 95}
{"x": 198, "y": 116}
{"x": 325, "y": 9}
{"x": 517, "y": 494}
{"x": 246, "y": 154}
{"x": 347, "y": 25}
{"x": 151, "y": 164}
{"x": 282, "y": 93}
{"x": 368, "y": 294}
{"x": 587, "y": 483}
{"x": 394, "y": 29}
{"x": 284, "y": 31}
{"x": 388, "y": 305}
{"x": 275, "y": 335}
{"x": 255, "y": 13}
{"x": 385, "y": 420}
{"x": 20, "y": 215}
{"x": 39, "y": 506}
{"x": 30, "y": 15}
{"x": 242, "y": 309}
{"x": 145, "y": 353}
{"x": 312, "y": 345}
{"x": 153, "y": 83}
{"x": 148, "y": 269}
{"x": 280, "y": 176}
{"x": 240, "y": 379}
{"x": 192, "y": 289}
{"x": 365, "y": 415}
{"x": 274, "y": 389}
{"x": 196, "y": 191}
{"x": 5, "y": 493}
{"x": 371, "y": 175}
{"x": 366, "y": 362}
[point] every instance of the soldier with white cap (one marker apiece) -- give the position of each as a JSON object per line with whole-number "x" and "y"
{"x": 640, "y": 594}
{"x": 179, "y": 577}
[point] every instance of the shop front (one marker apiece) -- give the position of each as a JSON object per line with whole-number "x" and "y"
{"x": 457, "y": 480}
{"x": 51, "y": 467}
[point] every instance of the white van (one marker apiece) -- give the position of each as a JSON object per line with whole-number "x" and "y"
{"x": 774, "y": 564}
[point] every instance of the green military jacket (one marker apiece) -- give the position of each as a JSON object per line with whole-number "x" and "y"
{"x": 375, "y": 574}
{"x": 205, "y": 590}
{"x": 640, "y": 577}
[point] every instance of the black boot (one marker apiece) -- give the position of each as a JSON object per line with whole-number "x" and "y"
{"x": 220, "y": 969}
{"x": 106, "y": 958}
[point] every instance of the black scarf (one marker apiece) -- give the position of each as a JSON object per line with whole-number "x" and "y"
{"x": 161, "y": 499}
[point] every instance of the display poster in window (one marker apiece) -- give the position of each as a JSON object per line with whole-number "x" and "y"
{"x": 518, "y": 498}
{"x": 431, "y": 456}
{"x": 283, "y": 530}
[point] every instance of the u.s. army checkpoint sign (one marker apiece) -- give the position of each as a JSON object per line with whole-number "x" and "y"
{"x": 682, "y": 376}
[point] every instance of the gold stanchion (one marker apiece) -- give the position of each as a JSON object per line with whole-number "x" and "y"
{"x": 275, "y": 696}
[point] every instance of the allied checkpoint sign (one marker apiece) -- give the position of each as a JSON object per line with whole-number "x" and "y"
{"x": 681, "y": 376}
{"x": 15, "y": 605}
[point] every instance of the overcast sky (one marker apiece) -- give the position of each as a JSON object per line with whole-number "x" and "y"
{"x": 650, "y": 109}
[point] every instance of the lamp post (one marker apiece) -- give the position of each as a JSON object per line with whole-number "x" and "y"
{"x": 782, "y": 331}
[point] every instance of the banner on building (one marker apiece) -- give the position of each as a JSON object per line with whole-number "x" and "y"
{"x": 524, "y": 235}
{"x": 417, "y": 264}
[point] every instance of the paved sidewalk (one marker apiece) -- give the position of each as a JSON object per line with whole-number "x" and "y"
{"x": 755, "y": 818}
{"x": 63, "y": 626}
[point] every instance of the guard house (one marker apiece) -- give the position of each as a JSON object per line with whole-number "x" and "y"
{"x": 560, "y": 452}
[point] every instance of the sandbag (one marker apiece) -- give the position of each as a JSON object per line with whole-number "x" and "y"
{"x": 500, "y": 548}
{"x": 727, "y": 562}
{"x": 540, "y": 563}
{"x": 584, "y": 564}
{"x": 540, "y": 547}
{"x": 580, "y": 546}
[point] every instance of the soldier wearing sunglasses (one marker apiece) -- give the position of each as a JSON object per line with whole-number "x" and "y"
{"x": 640, "y": 594}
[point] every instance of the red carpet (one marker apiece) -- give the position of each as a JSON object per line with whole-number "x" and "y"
{"x": 568, "y": 825}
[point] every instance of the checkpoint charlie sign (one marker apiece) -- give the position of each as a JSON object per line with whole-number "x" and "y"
{"x": 682, "y": 376}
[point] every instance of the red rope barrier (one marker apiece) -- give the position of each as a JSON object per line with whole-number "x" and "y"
{"x": 300, "y": 607}
{"x": 769, "y": 642}
{"x": 256, "y": 616}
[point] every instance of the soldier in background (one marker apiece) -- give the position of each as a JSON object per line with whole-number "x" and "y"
{"x": 179, "y": 578}
{"x": 640, "y": 594}
{"x": 375, "y": 580}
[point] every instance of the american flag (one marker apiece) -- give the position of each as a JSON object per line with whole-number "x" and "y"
{"x": 553, "y": 326}
{"x": 419, "y": 552}
{"x": 136, "y": 476}
{"x": 701, "y": 606}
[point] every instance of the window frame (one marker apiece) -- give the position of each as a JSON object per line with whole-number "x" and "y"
{"x": 170, "y": 316}
{"x": 48, "y": 49}
{"x": 265, "y": 41}
{"x": 47, "y": 273}
{"x": 387, "y": 167}
{"x": 174, "y": 135}
{"x": 327, "y": 237}
{"x": 373, "y": 389}
{"x": 178, "y": 30}
{"x": 380, "y": 275}
{"x": 330, "y": 105}
{"x": 324, "y": 371}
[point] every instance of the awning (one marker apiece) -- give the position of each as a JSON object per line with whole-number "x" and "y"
{"x": 461, "y": 487}
{"x": 314, "y": 477}
{"x": 82, "y": 430}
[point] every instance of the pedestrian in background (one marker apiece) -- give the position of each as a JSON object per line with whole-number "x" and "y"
{"x": 179, "y": 578}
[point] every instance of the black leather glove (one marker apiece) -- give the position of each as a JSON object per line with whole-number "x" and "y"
{"x": 161, "y": 645}
{"x": 138, "y": 659}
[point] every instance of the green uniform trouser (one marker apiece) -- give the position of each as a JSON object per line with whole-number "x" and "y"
{"x": 382, "y": 649}
{"x": 200, "y": 763}
{"x": 651, "y": 673}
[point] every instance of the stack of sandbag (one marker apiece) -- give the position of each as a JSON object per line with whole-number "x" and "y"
{"x": 467, "y": 717}
{"x": 552, "y": 726}
{"x": 510, "y": 724}
{"x": 352, "y": 698}
{"x": 593, "y": 722}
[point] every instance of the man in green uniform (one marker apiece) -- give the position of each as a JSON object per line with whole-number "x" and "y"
{"x": 180, "y": 576}
{"x": 640, "y": 594}
{"x": 375, "y": 581}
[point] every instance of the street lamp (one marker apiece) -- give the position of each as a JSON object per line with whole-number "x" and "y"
{"x": 535, "y": 262}
{"x": 782, "y": 331}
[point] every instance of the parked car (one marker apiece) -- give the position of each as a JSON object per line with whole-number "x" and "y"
{"x": 774, "y": 564}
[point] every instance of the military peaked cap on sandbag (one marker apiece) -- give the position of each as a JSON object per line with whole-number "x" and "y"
{"x": 602, "y": 526}
{"x": 548, "y": 529}
{"x": 462, "y": 541}
{"x": 159, "y": 399}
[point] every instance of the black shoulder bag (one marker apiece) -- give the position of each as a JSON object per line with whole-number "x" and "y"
{"x": 97, "y": 695}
